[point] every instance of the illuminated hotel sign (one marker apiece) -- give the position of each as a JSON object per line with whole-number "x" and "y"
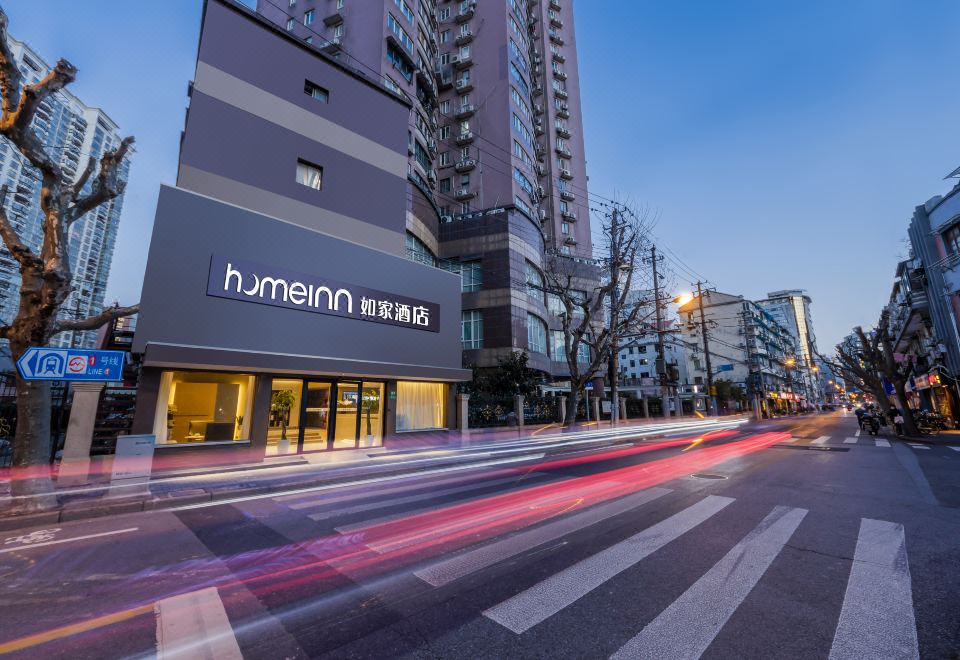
{"x": 268, "y": 285}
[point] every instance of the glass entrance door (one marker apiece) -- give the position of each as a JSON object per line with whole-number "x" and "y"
{"x": 345, "y": 425}
{"x": 316, "y": 417}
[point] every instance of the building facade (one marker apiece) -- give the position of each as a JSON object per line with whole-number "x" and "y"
{"x": 72, "y": 132}
{"x": 791, "y": 309}
{"x": 279, "y": 312}
{"x": 748, "y": 347}
{"x": 496, "y": 165}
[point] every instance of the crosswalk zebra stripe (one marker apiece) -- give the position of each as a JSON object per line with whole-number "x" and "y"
{"x": 919, "y": 446}
{"x": 790, "y": 440}
{"x": 822, "y": 440}
{"x": 857, "y": 433}
{"x": 456, "y": 567}
{"x": 851, "y": 441}
{"x": 880, "y": 442}
{"x": 688, "y": 626}
{"x": 955, "y": 448}
{"x": 877, "y": 620}
{"x": 543, "y": 600}
{"x": 409, "y": 499}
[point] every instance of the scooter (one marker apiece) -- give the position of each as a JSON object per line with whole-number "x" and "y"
{"x": 873, "y": 424}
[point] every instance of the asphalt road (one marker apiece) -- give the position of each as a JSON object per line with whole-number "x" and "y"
{"x": 789, "y": 539}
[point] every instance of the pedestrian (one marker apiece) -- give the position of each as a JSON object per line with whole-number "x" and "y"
{"x": 898, "y": 423}
{"x": 892, "y": 413}
{"x": 860, "y": 412}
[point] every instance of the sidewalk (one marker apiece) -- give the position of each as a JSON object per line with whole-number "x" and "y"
{"x": 439, "y": 452}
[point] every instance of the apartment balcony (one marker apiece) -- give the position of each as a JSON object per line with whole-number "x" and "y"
{"x": 559, "y": 74}
{"x": 560, "y": 93}
{"x": 951, "y": 273}
{"x": 444, "y": 81}
{"x": 540, "y": 151}
{"x": 538, "y": 108}
{"x": 333, "y": 45}
{"x": 555, "y": 5}
{"x": 564, "y": 151}
{"x": 562, "y": 131}
{"x": 556, "y": 38}
{"x": 467, "y": 11}
{"x": 570, "y": 240}
{"x": 566, "y": 175}
{"x": 563, "y": 112}
{"x": 537, "y": 89}
{"x": 336, "y": 18}
{"x": 558, "y": 56}
{"x": 464, "y": 38}
{"x": 556, "y": 22}
{"x": 463, "y": 194}
{"x": 567, "y": 196}
{"x": 569, "y": 216}
{"x": 464, "y": 85}
{"x": 461, "y": 61}
{"x": 465, "y": 111}
{"x": 465, "y": 137}
{"x": 541, "y": 169}
{"x": 465, "y": 165}
{"x": 538, "y": 128}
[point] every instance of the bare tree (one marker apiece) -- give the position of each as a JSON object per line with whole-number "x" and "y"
{"x": 46, "y": 277}
{"x": 598, "y": 300}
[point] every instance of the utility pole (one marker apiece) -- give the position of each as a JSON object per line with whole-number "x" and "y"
{"x": 661, "y": 364}
{"x": 614, "y": 367}
{"x": 706, "y": 350}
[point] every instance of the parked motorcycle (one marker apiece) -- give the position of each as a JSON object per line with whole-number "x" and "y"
{"x": 872, "y": 422}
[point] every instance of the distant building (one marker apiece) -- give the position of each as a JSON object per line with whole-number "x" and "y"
{"x": 791, "y": 309}
{"x": 72, "y": 133}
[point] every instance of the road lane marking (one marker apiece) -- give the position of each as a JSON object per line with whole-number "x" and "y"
{"x": 877, "y": 619}
{"x": 28, "y": 546}
{"x": 880, "y": 442}
{"x": 195, "y": 625}
{"x": 73, "y": 629}
{"x": 543, "y": 600}
{"x": 688, "y": 626}
{"x": 369, "y": 522}
{"x": 850, "y": 441}
{"x": 822, "y": 440}
{"x": 448, "y": 570}
{"x": 955, "y": 448}
{"x": 919, "y": 446}
{"x": 790, "y": 440}
{"x": 857, "y": 434}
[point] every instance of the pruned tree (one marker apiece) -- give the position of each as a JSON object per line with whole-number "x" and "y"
{"x": 599, "y": 304}
{"x": 46, "y": 276}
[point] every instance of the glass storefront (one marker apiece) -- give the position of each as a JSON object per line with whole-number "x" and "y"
{"x": 421, "y": 406}
{"x": 204, "y": 407}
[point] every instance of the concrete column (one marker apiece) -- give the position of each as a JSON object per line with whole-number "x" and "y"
{"x": 646, "y": 407}
{"x": 679, "y": 406}
{"x": 148, "y": 391}
{"x": 260, "y": 419}
{"x": 562, "y": 408}
{"x": 623, "y": 409}
{"x": 463, "y": 411}
{"x": 518, "y": 408}
{"x": 75, "y": 463}
{"x": 596, "y": 407}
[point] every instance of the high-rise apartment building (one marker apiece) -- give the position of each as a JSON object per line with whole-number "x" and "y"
{"x": 72, "y": 132}
{"x": 791, "y": 308}
{"x": 496, "y": 167}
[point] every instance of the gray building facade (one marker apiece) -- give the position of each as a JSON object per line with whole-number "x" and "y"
{"x": 279, "y": 312}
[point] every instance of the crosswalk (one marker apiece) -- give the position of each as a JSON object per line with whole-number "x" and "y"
{"x": 876, "y": 618}
{"x": 826, "y": 441}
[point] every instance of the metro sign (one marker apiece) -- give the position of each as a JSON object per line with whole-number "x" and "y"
{"x": 42, "y": 363}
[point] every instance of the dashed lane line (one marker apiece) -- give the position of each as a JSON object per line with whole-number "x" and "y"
{"x": 851, "y": 441}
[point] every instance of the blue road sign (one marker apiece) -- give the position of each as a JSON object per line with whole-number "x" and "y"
{"x": 39, "y": 363}
{"x": 725, "y": 367}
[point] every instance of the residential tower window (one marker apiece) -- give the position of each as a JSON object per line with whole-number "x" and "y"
{"x": 535, "y": 284}
{"x": 536, "y": 334}
{"x": 418, "y": 251}
{"x": 309, "y": 16}
{"x": 309, "y": 175}
{"x": 471, "y": 329}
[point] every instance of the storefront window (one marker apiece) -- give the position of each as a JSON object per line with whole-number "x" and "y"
{"x": 421, "y": 406}
{"x": 204, "y": 407}
{"x": 283, "y": 430}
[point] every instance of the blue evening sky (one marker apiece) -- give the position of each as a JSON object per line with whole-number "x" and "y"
{"x": 784, "y": 144}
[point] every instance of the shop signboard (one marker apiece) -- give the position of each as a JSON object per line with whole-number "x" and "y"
{"x": 249, "y": 281}
{"x": 71, "y": 364}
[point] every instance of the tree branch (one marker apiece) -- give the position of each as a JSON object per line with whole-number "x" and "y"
{"x": 94, "y": 322}
{"x": 82, "y": 181}
{"x": 20, "y": 251}
{"x": 106, "y": 186}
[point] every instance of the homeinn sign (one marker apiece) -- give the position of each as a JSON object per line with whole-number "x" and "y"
{"x": 279, "y": 312}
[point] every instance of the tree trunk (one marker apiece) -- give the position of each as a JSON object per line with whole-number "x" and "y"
{"x": 572, "y": 408}
{"x": 31, "y": 485}
{"x": 909, "y": 425}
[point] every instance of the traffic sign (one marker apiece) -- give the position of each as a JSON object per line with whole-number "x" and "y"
{"x": 41, "y": 363}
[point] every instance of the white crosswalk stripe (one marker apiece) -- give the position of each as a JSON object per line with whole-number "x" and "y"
{"x": 851, "y": 441}
{"x": 822, "y": 440}
{"x": 687, "y": 627}
{"x": 536, "y": 604}
{"x": 456, "y": 567}
{"x": 857, "y": 433}
{"x": 877, "y": 619}
{"x": 919, "y": 446}
{"x": 955, "y": 448}
{"x": 880, "y": 442}
{"x": 790, "y": 440}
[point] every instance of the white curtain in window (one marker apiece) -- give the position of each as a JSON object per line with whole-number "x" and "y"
{"x": 420, "y": 406}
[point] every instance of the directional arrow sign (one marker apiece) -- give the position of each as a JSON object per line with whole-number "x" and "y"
{"x": 40, "y": 363}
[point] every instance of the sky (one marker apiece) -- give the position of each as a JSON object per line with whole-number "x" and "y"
{"x": 782, "y": 144}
